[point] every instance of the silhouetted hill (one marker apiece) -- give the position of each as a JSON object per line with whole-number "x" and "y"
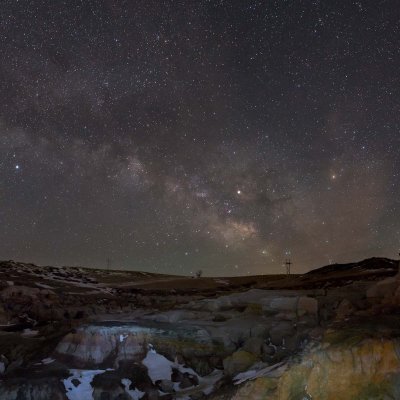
{"x": 374, "y": 263}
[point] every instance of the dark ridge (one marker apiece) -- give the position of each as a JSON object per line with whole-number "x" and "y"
{"x": 380, "y": 263}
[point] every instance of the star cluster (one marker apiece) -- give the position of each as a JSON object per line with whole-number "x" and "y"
{"x": 171, "y": 136}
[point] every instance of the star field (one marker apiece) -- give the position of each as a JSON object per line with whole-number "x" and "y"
{"x": 171, "y": 136}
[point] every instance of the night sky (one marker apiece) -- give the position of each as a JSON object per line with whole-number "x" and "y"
{"x": 227, "y": 136}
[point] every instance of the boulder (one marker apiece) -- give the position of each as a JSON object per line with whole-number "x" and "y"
{"x": 280, "y": 332}
{"x": 284, "y": 304}
{"x": 368, "y": 370}
{"x": 347, "y": 369}
{"x": 87, "y": 348}
{"x": 345, "y": 309}
{"x": 188, "y": 380}
{"x": 290, "y": 307}
{"x": 34, "y": 389}
{"x": 239, "y": 361}
{"x": 260, "y": 330}
{"x": 307, "y": 305}
{"x": 384, "y": 288}
{"x": 107, "y": 385}
{"x": 254, "y": 345}
{"x": 200, "y": 365}
{"x": 268, "y": 350}
{"x": 292, "y": 343}
{"x": 166, "y": 386}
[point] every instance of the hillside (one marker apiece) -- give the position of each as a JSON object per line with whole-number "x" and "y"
{"x": 73, "y": 333}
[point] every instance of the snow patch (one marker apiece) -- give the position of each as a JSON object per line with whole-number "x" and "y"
{"x": 158, "y": 366}
{"x": 84, "y": 391}
{"x": 135, "y": 394}
{"x": 122, "y": 337}
{"x": 45, "y": 361}
{"x": 29, "y": 333}
{"x": 273, "y": 371}
{"x": 221, "y": 281}
{"x": 43, "y": 286}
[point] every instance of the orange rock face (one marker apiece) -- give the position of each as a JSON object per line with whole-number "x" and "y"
{"x": 369, "y": 370}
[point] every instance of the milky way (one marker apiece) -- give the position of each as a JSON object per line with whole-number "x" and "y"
{"x": 171, "y": 136}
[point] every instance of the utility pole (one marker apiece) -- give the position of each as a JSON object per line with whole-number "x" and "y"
{"x": 108, "y": 263}
{"x": 288, "y": 264}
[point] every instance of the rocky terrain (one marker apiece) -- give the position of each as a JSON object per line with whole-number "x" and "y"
{"x": 76, "y": 333}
